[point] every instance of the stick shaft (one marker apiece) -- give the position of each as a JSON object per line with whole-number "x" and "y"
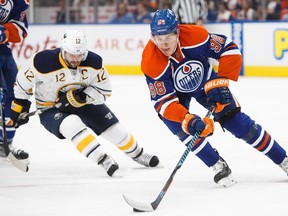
{"x": 153, "y": 206}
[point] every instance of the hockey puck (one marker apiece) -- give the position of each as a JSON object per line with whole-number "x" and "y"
{"x": 137, "y": 210}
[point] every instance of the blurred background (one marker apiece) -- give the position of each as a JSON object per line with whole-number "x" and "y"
{"x": 119, "y": 30}
{"x": 102, "y": 11}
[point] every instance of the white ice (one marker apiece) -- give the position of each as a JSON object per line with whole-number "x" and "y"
{"x": 61, "y": 182}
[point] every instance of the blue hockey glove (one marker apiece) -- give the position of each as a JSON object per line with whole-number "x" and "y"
{"x": 3, "y": 34}
{"x": 193, "y": 123}
{"x": 71, "y": 100}
{"x": 218, "y": 93}
{"x": 19, "y": 107}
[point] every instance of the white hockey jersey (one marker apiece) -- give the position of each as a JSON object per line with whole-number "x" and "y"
{"x": 47, "y": 76}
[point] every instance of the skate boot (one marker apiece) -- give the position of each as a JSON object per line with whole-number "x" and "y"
{"x": 2, "y": 151}
{"x": 146, "y": 159}
{"x": 110, "y": 166}
{"x": 223, "y": 173}
{"x": 3, "y": 157}
{"x": 284, "y": 165}
{"x": 18, "y": 153}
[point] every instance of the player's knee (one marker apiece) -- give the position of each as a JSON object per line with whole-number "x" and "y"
{"x": 116, "y": 134}
{"x": 71, "y": 126}
{"x": 84, "y": 140}
{"x": 228, "y": 115}
{"x": 253, "y": 131}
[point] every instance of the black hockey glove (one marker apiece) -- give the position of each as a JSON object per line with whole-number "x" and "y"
{"x": 218, "y": 93}
{"x": 71, "y": 100}
{"x": 19, "y": 109}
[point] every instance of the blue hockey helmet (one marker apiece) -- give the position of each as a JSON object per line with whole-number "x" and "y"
{"x": 163, "y": 22}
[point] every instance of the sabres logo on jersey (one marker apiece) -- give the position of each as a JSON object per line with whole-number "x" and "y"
{"x": 6, "y": 7}
{"x": 189, "y": 76}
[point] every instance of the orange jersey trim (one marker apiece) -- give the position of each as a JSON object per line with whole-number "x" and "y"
{"x": 191, "y": 35}
{"x": 149, "y": 55}
{"x": 230, "y": 66}
{"x": 14, "y": 36}
{"x": 175, "y": 112}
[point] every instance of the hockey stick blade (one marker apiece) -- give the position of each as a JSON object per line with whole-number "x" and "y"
{"x": 21, "y": 164}
{"x": 138, "y": 206}
{"x": 148, "y": 207}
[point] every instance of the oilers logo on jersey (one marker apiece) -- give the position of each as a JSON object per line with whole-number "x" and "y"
{"x": 5, "y": 9}
{"x": 189, "y": 76}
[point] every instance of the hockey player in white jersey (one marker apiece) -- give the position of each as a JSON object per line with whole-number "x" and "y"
{"x": 75, "y": 83}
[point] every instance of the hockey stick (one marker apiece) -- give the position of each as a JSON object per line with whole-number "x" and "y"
{"x": 148, "y": 207}
{"x": 21, "y": 164}
{"x": 41, "y": 110}
{"x": 37, "y": 111}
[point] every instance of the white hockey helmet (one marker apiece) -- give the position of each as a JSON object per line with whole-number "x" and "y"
{"x": 74, "y": 42}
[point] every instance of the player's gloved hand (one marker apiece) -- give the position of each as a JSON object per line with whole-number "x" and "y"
{"x": 19, "y": 109}
{"x": 94, "y": 96}
{"x": 193, "y": 123}
{"x": 4, "y": 34}
{"x": 217, "y": 90}
{"x": 71, "y": 100}
{"x": 218, "y": 93}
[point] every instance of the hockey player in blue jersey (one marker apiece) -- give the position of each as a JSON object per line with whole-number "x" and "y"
{"x": 75, "y": 86}
{"x": 175, "y": 64}
{"x": 13, "y": 29}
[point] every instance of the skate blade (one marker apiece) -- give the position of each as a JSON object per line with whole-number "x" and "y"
{"x": 117, "y": 174}
{"x": 228, "y": 181}
{"x": 4, "y": 161}
{"x": 159, "y": 166}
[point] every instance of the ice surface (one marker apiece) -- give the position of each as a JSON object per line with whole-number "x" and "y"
{"x": 61, "y": 182}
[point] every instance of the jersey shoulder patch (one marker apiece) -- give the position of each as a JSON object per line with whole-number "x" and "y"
{"x": 47, "y": 61}
{"x": 93, "y": 60}
{"x": 192, "y": 35}
{"x": 153, "y": 61}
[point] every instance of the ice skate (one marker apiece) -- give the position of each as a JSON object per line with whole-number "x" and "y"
{"x": 284, "y": 165}
{"x": 223, "y": 174}
{"x": 18, "y": 153}
{"x": 146, "y": 159}
{"x": 3, "y": 157}
{"x": 110, "y": 166}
